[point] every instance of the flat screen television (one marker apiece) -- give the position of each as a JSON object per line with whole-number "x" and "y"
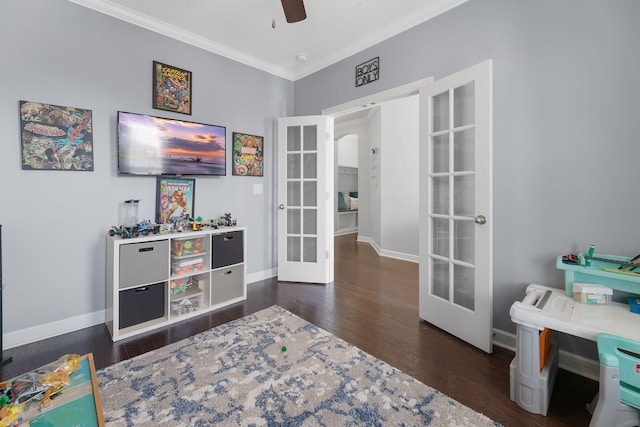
{"x": 149, "y": 145}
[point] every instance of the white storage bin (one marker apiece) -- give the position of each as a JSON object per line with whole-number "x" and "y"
{"x": 591, "y": 294}
{"x": 531, "y": 387}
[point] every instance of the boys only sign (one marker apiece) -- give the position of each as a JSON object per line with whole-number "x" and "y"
{"x": 368, "y": 72}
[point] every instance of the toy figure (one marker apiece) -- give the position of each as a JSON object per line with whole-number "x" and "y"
{"x": 120, "y": 231}
{"x": 197, "y": 224}
{"x": 180, "y": 286}
{"x": 9, "y": 414}
{"x": 197, "y": 246}
{"x": 228, "y": 221}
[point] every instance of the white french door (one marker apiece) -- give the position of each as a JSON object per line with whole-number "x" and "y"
{"x": 456, "y": 245}
{"x": 305, "y": 208}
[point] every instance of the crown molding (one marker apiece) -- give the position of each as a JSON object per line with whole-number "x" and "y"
{"x": 128, "y": 15}
{"x": 429, "y": 11}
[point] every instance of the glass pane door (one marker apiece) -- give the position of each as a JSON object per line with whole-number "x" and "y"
{"x": 456, "y": 199}
{"x": 305, "y": 220}
{"x": 452, "y": 204}
{"x": 302, "y": 193}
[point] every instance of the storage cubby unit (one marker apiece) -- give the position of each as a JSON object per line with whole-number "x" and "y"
{"x": 156, "y": 280}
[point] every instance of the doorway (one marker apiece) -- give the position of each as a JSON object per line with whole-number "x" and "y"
{"x": 346, "y": 183}
{"x": 455, "y": 151}
{"x": 388, "y": 169}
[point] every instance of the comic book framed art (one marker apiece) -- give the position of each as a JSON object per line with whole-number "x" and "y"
{"x": 248, "y": 154}
{"x": 171, "y": 88}
{"x": 54, "y": 137}
{"x": 175, "y": 198}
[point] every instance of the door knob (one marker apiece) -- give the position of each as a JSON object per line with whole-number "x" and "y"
{"x": 480, "y": 219}
{"x": 281, "y": 207}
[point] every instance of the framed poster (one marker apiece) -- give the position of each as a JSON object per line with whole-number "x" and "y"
{"x": 248, "y": 155}
{"x": 174, "y": 198}
{"x": 54, "y": 137}
{"x": 171, "y": 88}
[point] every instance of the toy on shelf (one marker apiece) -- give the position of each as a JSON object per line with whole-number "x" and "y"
{"x": 187, "y": 247}
{"x": 180, "y": 223}
{"x": 196, "y": 224}
{"x": 120, "y": 231}
{"x": 224, "y": 221}
{"x": 180, "y": 286}
{"x": 142, "y": 228}
{"x": 185, "y": 306}
{"x": 188, "y": 265}
{"x": 145, "y": 227}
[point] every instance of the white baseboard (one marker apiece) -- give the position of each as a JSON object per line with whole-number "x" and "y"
{"x": 571, "y": 362}
{"x": 579, "y": 365}
{"x": 400, "y": 255}
{"x": 387, "y": 253}
{"x": 504, "y": 339}
{"x": 262, "y": 275}
{"x": 345, "y": 231}
{"x": 53, "y": 329}
{"x": 370, "y": 241}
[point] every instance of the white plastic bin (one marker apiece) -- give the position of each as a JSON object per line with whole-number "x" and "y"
{"x": 531, "y": 387}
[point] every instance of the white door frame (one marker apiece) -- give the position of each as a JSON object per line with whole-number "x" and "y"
{"x": 377, "y": 98}
{"x": 367, "y": 102}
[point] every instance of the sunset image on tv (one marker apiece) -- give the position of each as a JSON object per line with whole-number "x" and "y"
{"x": 149, "y": 145}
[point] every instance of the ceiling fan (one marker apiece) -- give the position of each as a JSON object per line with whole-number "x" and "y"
{"x": 294, "y": 10}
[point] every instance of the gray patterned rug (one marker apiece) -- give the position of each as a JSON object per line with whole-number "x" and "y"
{"x": 271, "y": 368}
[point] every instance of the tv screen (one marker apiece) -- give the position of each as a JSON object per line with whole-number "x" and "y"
{"x": 149, "y": 145}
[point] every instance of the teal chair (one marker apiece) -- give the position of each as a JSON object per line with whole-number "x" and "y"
{"x": 617, "y": 403}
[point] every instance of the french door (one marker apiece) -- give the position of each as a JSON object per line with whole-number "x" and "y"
{"x": 456, "y": 245}
{"x": 305, "y": 205}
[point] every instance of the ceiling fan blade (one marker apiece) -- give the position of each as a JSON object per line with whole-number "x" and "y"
{"x": 294, "y": 10}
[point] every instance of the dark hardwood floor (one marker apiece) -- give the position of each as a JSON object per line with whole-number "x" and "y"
{"x": 372, "y": 304}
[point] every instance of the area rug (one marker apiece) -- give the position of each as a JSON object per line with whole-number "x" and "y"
{"x": 271, "y": 368}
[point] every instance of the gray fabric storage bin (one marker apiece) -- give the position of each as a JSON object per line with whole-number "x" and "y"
{"x": 143, "y": 263}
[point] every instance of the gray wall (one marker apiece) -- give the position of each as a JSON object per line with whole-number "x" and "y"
{"x": 54, "y": 222}
{"x": 399, "y": 169}
{"x": 566, "y": 106}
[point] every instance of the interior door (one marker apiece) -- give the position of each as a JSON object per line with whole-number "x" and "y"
{"x": 305, "y": 206}
{"x": 456, "y": 246}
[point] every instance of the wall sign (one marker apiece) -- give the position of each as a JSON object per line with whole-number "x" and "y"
{"x": 368, "y": 72}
